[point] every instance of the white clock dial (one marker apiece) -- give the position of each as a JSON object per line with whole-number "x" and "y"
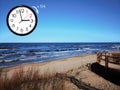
{"x": 21, "y": 20}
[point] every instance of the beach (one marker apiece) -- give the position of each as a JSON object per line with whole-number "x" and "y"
{"x": 78, "y": 66}
{"x": 60, "y": 65}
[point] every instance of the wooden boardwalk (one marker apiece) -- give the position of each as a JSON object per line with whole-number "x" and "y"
{"x": 107, "y": 59}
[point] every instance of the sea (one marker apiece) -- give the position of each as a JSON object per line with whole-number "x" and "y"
{"x": 12, "y": 54}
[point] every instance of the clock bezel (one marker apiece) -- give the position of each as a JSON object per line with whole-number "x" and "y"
{"x": 33, "y": 13}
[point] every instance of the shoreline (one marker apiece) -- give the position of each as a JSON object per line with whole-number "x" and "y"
{"x": 55, "y": 65}
{"x": 34, "y": 62}
{"x": 44, "y": 62}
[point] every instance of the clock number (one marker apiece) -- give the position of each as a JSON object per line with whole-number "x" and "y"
{"x": 30, "y": 25}
{"x": 22, "y": 10}
{"x": 11, "y": 20}
{"x": 31, "y": 20}
{"x": 21, "y": 30}
{"x": 26, "y": 28}
{"x": 13, "y": 25}
{"x": 14, "y": 15}
{"x": 17, "y": 28}
{"x": 30, "y": 15}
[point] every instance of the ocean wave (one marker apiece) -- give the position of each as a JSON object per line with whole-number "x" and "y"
{"x": 16, "y": 60}
{"x": 91, "y": 49}
{"x": 67, "y": 51}
{"x": 7, "y": 61}
{"x": 117, "y": 47}
{"x": 8, "y": 54}
{"x": 31, "y": 58}
{"x": 3, "y": 49}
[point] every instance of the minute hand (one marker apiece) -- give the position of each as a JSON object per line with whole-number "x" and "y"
{"x": 20, "y": 15}
{"x": 25, "y": 20}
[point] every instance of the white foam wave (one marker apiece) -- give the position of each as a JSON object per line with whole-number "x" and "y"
{"x": 3, "y": 49}
{"x": 29, "y": 58}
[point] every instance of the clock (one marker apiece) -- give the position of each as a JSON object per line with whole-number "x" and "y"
{"x": 21, "y": 20}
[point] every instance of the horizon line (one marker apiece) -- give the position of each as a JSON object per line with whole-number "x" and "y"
{"x": 59, "y": 42}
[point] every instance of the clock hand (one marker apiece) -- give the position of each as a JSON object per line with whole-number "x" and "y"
{"x": 26, "y": 20}
{"x": 20, "y": 17}
{"x": 20, "y": 21}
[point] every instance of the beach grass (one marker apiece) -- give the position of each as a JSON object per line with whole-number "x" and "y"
{"x": 30, "y": 80}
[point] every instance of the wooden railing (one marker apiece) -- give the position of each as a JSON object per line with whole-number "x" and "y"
{"x": 113, "y": 57}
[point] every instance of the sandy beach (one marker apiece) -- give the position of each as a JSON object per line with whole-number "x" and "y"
{"x": 81, "y": 67}
{"x": 60, "y": 65}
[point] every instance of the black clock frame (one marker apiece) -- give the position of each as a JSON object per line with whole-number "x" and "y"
{"x": 33, "y": 13}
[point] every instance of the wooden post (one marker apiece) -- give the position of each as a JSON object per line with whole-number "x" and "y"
{"x": 106, "y": 62}
{"x": 99, "y": 57}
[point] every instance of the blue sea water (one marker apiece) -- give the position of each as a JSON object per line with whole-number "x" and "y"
{"x": 19, "y": 53}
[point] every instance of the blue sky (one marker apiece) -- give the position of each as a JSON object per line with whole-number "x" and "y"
{"x": 67, "y": 21}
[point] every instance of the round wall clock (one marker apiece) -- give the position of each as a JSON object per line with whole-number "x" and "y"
{"x": 21, "y": 20}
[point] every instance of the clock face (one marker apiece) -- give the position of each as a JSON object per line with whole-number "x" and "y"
{"x": 21, "y": 20}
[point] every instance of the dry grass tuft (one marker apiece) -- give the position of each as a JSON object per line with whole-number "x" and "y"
{"x": 31, "y": 80}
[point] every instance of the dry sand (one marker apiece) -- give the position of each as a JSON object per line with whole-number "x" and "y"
{"x": 75, "y": 66}
{"x": 60, "y": 65}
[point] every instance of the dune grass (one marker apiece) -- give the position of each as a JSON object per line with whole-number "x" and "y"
{"x": 30, "y": 80}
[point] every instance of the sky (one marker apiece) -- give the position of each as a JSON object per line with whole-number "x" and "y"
{"x": 67, "y": 21}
